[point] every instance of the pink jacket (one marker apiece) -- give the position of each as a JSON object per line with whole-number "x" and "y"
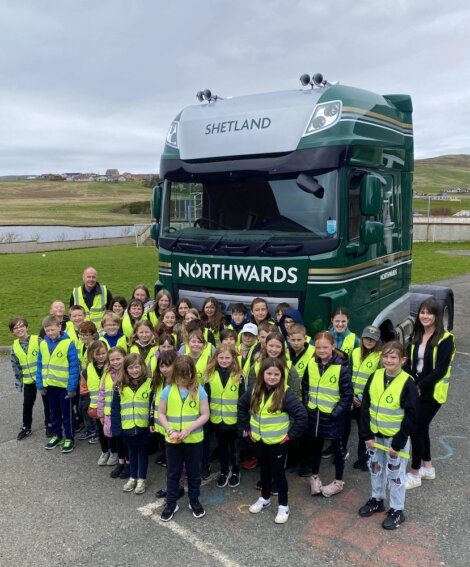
{"x": 100, "y": 408}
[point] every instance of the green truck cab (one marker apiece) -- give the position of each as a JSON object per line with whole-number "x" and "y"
{"x": 302, "y": 196}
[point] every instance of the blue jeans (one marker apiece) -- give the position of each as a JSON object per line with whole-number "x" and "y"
{"x": 387, "y": 471}
{"x": 138, "y": 456}
{"x": 61, "y": 412}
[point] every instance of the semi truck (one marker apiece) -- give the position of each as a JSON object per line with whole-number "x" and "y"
{"x": 301, "y": 196}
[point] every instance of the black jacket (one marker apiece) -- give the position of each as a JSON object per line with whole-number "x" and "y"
{"x": 408, "y": 402}
{"x": 292, "y": 406}
{"x": 330, "y": 425}
{"x": 429, "y": 376}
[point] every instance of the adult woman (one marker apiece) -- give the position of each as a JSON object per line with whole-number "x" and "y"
{"x": 430, "y": 355}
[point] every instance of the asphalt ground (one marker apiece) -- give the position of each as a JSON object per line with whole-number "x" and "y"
{"x": 65, "y": 510}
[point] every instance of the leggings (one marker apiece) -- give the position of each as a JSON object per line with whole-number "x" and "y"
{"x": 316, "y": 447}
{"x": 228, "y": 449}
{"x": 104, "y": 441}
{"x": 354, "y": 414}
{"x": 272, "y": 461}
{"x": 116, "y": 445}
{"x": 420, "y": 441}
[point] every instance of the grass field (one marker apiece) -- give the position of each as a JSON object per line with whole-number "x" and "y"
{"x": 30, "y": 282}
{"x": 75, "y": 204}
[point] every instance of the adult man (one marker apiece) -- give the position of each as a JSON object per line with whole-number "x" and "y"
{"x": 92, "y": 296}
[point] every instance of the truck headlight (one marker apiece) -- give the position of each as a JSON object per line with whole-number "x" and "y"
{"x": 172, "y": 136}
{"x": 324, "y": 116}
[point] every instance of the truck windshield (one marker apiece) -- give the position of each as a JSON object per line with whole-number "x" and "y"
{"x": 275, "y": 205}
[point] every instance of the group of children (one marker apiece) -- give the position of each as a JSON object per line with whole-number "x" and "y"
{"x": 171, "y": 377}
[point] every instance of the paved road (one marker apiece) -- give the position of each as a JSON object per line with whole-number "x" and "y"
{"x": 65, "y": 510}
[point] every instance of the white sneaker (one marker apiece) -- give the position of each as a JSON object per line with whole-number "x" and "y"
{"x": 140, "y": 486}
{"x": 282, "y": 515}
{"x": 113, "y": 460}
{"x": 412, "y": 481}
{"x": 427, "y": 473}
{"x": 103, "y": 460}
{"x": 259, "y": 505}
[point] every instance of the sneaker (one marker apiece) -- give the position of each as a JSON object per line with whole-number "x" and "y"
{"x": 393, "y": 519}
{"x": 112, "y": 460}
{"x": 361, "y": 465}
{"x": 222, "y": 481}
{"x": 304, "y": 471}
{"x": 282, "y": 515}
{"x": 372, "y": 506}
{"x": 205, "y": 472}
{"x": 103, "y": 459}
{"x": 53, "y": 442}
{"x": 126, "y": 472}
{"x": 48, "y": 431}
{"x": 427, "y": 473}
{"x": 328, "y": 452}
{"x": 197, "y": 508}
{"x": 234, "y": 480}
{"x": 250, "y": 463}
{"x": 24, "y": 432}
{"x": 315, "y": 485}
{"x": 163, "y": 492}
{"x": 259, "y": 505}
{"x": 130, "y": 485}
{"x": 68, "y": 446}
{"x": 85, "y": 435}
{"x": 168, "y": 513}
{"x": 412, "y": 481}
{"x": 140, "y": 486}
{"x": 116, "y": 471}
{"x": 333, "y": 488}
{"x": 161, "y": 460}
{"x": 94, "y": 439}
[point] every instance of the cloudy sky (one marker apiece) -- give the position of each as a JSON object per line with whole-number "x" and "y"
{"x": 88, "y": 85}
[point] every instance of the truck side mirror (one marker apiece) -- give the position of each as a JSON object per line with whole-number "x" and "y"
{"x": 156, "y": 207}
{"x": 371, "y": 196}
{"x": 371, "y": 232}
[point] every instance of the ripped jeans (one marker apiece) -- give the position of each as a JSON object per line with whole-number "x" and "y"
{"x": 385, "y": 470}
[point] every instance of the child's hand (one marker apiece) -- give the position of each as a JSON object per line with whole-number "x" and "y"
{"x": 183, "y": 434}
{"x": 152, "y": 429}
{"x": 393, "y": 453}
{"x": 369, "y": 444}
{"x": 357, "y": 402}
{"x": 70, "y": 395}
{"x": 286, "y": 438}
{"x": 102, "y": 420}
{"x": 174, "y": 437}
{"x": 43, "y": 391}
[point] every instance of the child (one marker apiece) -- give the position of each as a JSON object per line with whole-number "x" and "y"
{"x": 135, "y": 312}
{"x": 213, "y": 317}
{"x": 183, "y": 305}
{"x": 229, "y": 337}
{"x": 87, "y": 333}
{"x": 388, "y": 417}
{"x": 77, "y": 316}
{"x": 260, "y": 311}
{"x": 364, "y": 362}
{"x": 141, "y": 292}
{"x": 90, "y": 380}
{"x": 57, "y": 378}
{"x": 184, "y": 401}
{"x": 265, "y": 414}
{"x": 130, "y": 412}
{"x": 23, "y": 357}
{"x": 109, "y": 380}
{"x": 292, "y": 317}
{"x": 163, "y": 301}
{"x": 224, "y": 386}
{"x": 113, "y": 336}
{"x": 57, "y": 309}
{"x": 327, "y": 394}
{"x": 279, "y": 311}
{"x": 160, "y": 378}
{"x": 166, "y": 323}
{"x": 249, "y": 334}
{"x": 119, "y": 305}
{"x": 238, "y": 317}
{"x": 192, "y": 321}
{"x": 345, "y": 340}
{"x": 143, "y": 341}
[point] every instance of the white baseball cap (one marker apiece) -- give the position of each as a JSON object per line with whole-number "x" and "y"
{"x": 250, "y": 328}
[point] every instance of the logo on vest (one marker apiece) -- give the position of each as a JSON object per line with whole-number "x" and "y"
{"x": 233, "y": 388}
{"x": 389, "y": 399}
{"x": 369, "y": 364}
{"x": 301, "y": 365}
{"x": 332, "y": 379}
{"x": 34, "y": 353}
{"x": 145, "y": 395}
{"x": 60, "y": 354}
{"x": 192, "y": 404}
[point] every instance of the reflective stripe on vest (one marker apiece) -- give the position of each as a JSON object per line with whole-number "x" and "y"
{"x": 348, "y": 343}
{"x": 246, "y": 361}
{"x": 156, "y": 401}
{"x": 96, "y": 312}
{"x": 202, "y": 362}
{"x": 385, "y": 412}
{"x": 108, "y": 392}
{"x": 441, "y": 388}
{"x": 223, "y": 403}
{"x": 363, "y": 370}
{"x": 28, "y": 360}
{"x": 71, "y": 332}
{"x": 135, "y": 406}
{"x": 179, "y": 413}
{"x": 323, "y": 390}
{"x": 55, "y": 366}
{"x": 270, "y": 427}
{"x": 93, "y": 383}
{"x": 302, "y": 363}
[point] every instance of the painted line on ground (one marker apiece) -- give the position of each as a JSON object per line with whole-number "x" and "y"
{"x": 465, "y": 353}
{"x": 447, "y": 446}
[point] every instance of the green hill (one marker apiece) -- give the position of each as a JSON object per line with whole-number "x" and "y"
{"x": 441, "y": 173}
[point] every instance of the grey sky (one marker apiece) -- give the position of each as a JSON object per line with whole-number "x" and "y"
{"x": 87, "y": 85}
